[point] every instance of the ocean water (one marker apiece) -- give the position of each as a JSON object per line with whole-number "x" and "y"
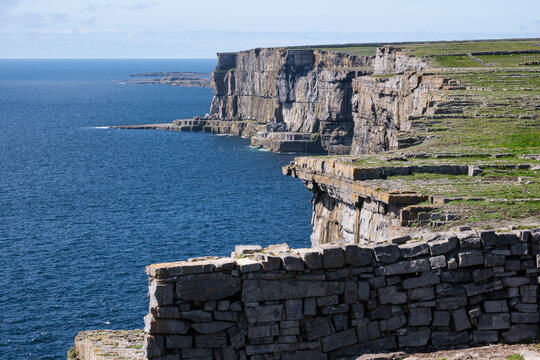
{"x": 83, "y": 209}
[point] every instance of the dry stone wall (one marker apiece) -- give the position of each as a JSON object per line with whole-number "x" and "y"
{"x": 332, "y": 301}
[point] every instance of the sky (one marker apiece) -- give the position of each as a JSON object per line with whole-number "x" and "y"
{"x": 201, "y": 28}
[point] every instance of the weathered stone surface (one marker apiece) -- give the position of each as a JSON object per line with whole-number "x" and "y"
{"x": 525, "y": 318}
{"x": 165, "y": 312}
{"x": 248, "y": 265}
{"x": 196, "y": 353}
{"x": 262, "y": 331}
{"x": 470, "y": 258}
{"x": 161, "y": 294}
{"x": 207, "y": 286}
{"x": 292, "y": 262}
{"x": 212, "y": 341}
{"x": 405, "y": 267}
{"x": 446, "y": 338}
{"x": 415, "y": 338}
{"x": 212, "y": 327}
{"x": 318, "y": 328}
{"x": 264, "y": 313}
{"x": 480, "y": 275}
{"x": 178, "y": 341}
{"x": 266, "y": 290}
{"x": 485, "y": 336}
{"x": 333, "y": 257}
{"x": 441, "y": 318}
{"x": 425, "y": 279}
{"x": 413, "y": 249}
{"x": 196, "y": 315}
{"x": 240, "y": 250}
{"x": 437, "y": 262}
{"x": 442, "y": 246}
{"x": 393, "y": 323}
{"x": 461, "y": 320}
{"x": 423, "y": 293}
{"x": 358, "y": 256}
{"x": 168, "y": 270}
{"x": 293, "y": 309}
{"x": 519, "y": 333}
{"x": 496, "y": 306}
{"x": 494, "y": 321}
{"x": 339, "y": 340}
{"x": 164, "y": 326}
{"x": 391, "y": 295}
{"x": 419, "y": 316}
{"x": 312, "y": 258}
{"x": 386, "y": 254}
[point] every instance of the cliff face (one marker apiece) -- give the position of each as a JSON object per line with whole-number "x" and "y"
{"x": 324, "y": 94}
{"x": 299, "y": 91}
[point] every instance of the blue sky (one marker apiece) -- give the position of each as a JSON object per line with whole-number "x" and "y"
{"x": 200, "y": 28}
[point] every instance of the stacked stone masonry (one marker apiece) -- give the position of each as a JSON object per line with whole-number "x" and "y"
{"x": 339, "y": 300}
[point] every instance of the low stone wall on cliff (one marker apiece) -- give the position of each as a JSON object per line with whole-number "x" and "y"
{"x": 328, "y": 302}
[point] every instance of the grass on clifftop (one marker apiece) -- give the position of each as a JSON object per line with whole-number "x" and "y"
{"x": 465, "y": 47}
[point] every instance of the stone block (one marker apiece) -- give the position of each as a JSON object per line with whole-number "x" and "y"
{"x": 448, "y": 289}
{"x": 529, "y": 294}
{"x": 327, "y": 300}
{"x": 414, "y": 337}
{"x": 226, "y": 315}
{"x": 268, "y": 290}
{"x": 448, "y": 338}
{"x": 270, "y": 262}
{"x": 425, "y": 279}
{"x": 293, "y": 309}
{"x": 442, "y": 246}
{"x": 212, "y": 327}
{"x": 488, "y": 238}
{"x": 161, "y": 294}
{"x": 377, "y": 282}
{"x": 519, "y": 333}
{"x": 469, "y": 240}
{"x": 339, "y": 340}
{"x": 358, "y": 256}
{"x": 178, "y": 341}
{"x": 197, "y": 353}
{"x": 255, "y": 332}
{"x": 526, "y": 307}
{"x": 480, "y": 275}
{"x": 485, "y": 336}
{"x": 363, "y": 291}
{"x": 164, "y": 326}
{"x": 515, "y": 281}
{"x": 386, "y": 254}
{"x": 421, "y": 294}
{"x": 470, "y": 258}
{"x": 461, "y": 320}
{"x": 519, "y": 249}
{"x": 240, "y": 250}
{"x": 341, "y": 322}
{"x": 247, "y": 265}
{"x": 317, "y": 328}
{"x": 357, "y": 311}
{"x": 312, "y": 258}
{"x": 264, "y": 313}
{"x": 310, "y": 306}
{"x": 351, "y": 292}
{"x": 451, "y": 302}
{"x": 437, "y": 262}
{"x": 441, "y": 318}
{"x": 491, "y": 260}
{"x": 391, "y": 295}
{"x": 393, "y": 323}
{"x": 414, "y": 249}
{"x": 494, "y": 321}
{"x": 405, "y": 267}
{"x": 179, "y": 268}
{"x": 507, "y": 239}
{"x": 495, "y": 306}
{"x": 305, "y": 355}
{"x": 207, "y": 287}
{"x": 456, "y": 276}
{"x": 524, "y": 318}
{"x": 224, "y": 264}
{"x": 165, "y": 312}
{"x": 419, "y": 316}
{"x": 223, "y": 305}
{"x": 196, "y": 315}
{"x": 473, "y": 289}
{"x": 153, "y": 346}
{"x": 213, "y": 341}
{"x": 334, "y": 309}
{"x": 292, "y": 262}
{"x": 333, "y": 256}
{"x": 268, "y": 349}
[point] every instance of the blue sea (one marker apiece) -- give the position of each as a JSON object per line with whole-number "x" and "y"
{"x": 83, "y": 208}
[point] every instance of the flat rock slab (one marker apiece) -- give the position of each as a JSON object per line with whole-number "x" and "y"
{"x": 108, "y": 345}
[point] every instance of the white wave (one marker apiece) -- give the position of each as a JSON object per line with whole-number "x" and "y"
{"x": 100, "y": 127}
